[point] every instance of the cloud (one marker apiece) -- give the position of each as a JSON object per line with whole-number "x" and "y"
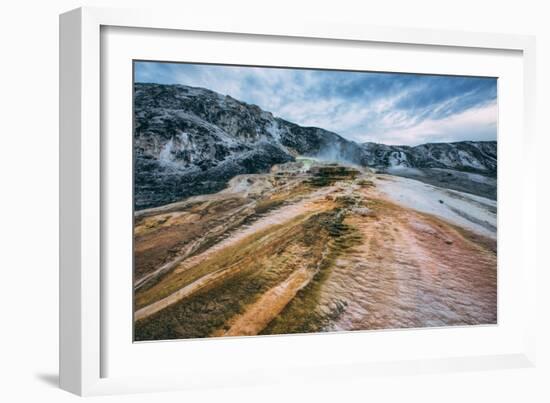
{"x": 474, "y": 123}
{"x": 388, "y": 108}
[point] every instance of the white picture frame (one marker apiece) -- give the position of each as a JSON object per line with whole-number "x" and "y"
{"x": 83, "y": 295}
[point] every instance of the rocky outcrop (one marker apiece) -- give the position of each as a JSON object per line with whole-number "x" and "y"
{"x": 191, "y": 141}
{"x": 469, "y": 156}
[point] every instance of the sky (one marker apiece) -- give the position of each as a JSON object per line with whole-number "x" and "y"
{"x": 389, "y": 108}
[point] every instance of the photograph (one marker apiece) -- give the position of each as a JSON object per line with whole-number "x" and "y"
{"x": 275, "y": 200}
{"x": 233, "y": 201}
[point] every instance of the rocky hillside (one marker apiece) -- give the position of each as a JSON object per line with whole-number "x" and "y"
{"x": 469, "y": 156}
{"x": 190, "y": 141}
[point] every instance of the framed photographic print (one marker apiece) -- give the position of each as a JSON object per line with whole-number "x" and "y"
{"x": 238, "y": 197}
